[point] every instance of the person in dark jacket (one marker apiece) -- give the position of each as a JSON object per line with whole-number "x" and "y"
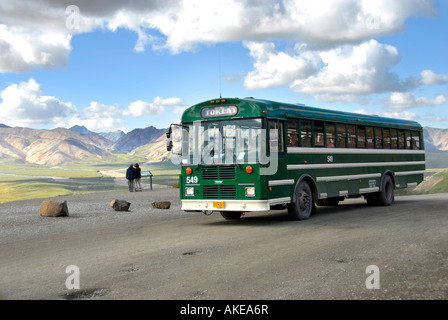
{"x": 137, "y": 177}
{"x": 130, "y": 176}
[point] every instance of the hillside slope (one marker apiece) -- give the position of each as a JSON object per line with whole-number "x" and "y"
{"x": 50, "y": 147}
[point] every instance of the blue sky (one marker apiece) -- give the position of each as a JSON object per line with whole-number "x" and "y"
{"x": 112, "y": 65}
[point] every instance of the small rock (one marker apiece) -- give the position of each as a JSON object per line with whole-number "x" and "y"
{"x": 161, "y": 204}
{"x": 120, "y": 205}
{"x": 51, "y": 208}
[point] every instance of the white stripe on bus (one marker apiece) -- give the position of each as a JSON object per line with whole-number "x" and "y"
{"x": 296, "y": 150}
{"x": 352, "y": 165}
{"x": 348, "y": 177}
{"x": 408, "y": 173}
{"x": 285, "y": 182}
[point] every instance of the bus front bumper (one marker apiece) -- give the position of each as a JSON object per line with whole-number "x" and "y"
{"x": 230, "y": 205}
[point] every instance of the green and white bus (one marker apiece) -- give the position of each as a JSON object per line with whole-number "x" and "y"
{"x": 246, "y": 155}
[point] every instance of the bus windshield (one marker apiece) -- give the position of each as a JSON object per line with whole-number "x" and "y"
{"x": 223, "y": 142}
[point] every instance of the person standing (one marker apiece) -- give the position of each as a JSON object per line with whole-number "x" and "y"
{"x": 137, "y": 177}
{"x": 130, "y": 176}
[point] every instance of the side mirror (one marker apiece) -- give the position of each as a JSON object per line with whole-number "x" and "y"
{"x": 168, "y": 133}
{"x": 169, "y": 145}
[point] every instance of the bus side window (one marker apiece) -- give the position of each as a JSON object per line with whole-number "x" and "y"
{"x": 394, "y": 137}
{"x": 351, "y": 136}
{"x": 415, "y": 140}
{"x": 378, "y": 138}
{"x": 407, "y": 133}
{"x": 361, "y": 137}
{"x": 293, "y": 132}
{"x": 318, "y": 134}
{"x": 370, "y": 138}
{"x": 342, "y": 135}
{"x": 330, "y": 132}
{"x": 401, "y": 139}
{"x": 386, "y": 133}
{"x": 276, "y": 136}
{"x": 305, "y": 134}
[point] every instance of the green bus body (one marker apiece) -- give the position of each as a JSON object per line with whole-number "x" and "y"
{"x": 336, "y": 154}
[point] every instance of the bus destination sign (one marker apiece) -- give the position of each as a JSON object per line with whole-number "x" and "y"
{"x": 221, "y": 111}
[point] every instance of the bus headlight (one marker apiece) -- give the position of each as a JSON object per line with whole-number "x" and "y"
{"x": 189, "y": 191}
{"x": 250, "y": 191}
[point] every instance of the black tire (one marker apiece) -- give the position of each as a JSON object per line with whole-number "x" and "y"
{"x": 304, "y": 205}
{"x": 386, "y": 195}
{"x": 231, "y": 215}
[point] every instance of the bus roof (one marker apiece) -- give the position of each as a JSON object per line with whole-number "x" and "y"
{"x": 224, "y": 109}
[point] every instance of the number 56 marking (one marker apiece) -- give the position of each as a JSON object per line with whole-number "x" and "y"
{"x": 330, "y": 159}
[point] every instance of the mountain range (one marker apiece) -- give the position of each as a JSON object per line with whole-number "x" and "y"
{"x": 61, "y": 145}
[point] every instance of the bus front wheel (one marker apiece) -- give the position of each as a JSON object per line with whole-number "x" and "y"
{"x": 302, "y": 208}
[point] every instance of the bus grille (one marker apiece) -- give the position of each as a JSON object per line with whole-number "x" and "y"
{"x": 219, "y": 192}
{"x": 216, "y": 172}
{"x": 210, "y": 173}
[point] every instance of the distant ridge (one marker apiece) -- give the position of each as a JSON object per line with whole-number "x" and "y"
{"x": 60, "y": 145}
{"x": 137, "y": 138}
{"x": 81, "y": 130}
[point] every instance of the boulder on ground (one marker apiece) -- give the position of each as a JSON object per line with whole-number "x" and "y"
{"x": 120, "y": 205}
{"x": 161, "y": 204}
{"x": 51, "y": 208}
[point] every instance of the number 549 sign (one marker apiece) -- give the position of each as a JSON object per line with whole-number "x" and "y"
{"x": 192, "y": 179}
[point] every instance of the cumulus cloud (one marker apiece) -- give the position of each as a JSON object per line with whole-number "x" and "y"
{"x": 20, "y": 49}
{"x": 140, "y": 108}
{"x": 407, "y": 100}
{"x": 24, "y": 105}
{"x": 361, "y": 69}
{"x": 94, "y": 124}
{"x": 430, "y": 77}
{"x": 183, "y": 25}
{"x": 274, "y": 68}
{"x": 406, "y": 115}
{"x": 340, "y": 73}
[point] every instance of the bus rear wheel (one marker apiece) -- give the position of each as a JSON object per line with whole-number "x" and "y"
{"x": 231, "y": 215}
{"x": 386, "y": 195}
{"x": 304, "y": 205}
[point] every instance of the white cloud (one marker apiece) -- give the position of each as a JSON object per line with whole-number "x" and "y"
{"x": 21, "y": 49}
{"x": 273, "y": 68}
{"x": 24, "y": 105}
{"x": 353, "y": 70}
{"x": 99, "y": 110}
{"x": 429, "y": 77}
{"x": 407, "y": 100}
{"x": 97, "y": 124}
{"x": 140, "y": 108}
{"x": 388, "y": 114}
{"x": 341, "y": 73}
{"x": 183, "y": 25}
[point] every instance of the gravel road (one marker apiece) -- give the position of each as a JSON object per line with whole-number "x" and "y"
{"x": 153, "y": 254}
